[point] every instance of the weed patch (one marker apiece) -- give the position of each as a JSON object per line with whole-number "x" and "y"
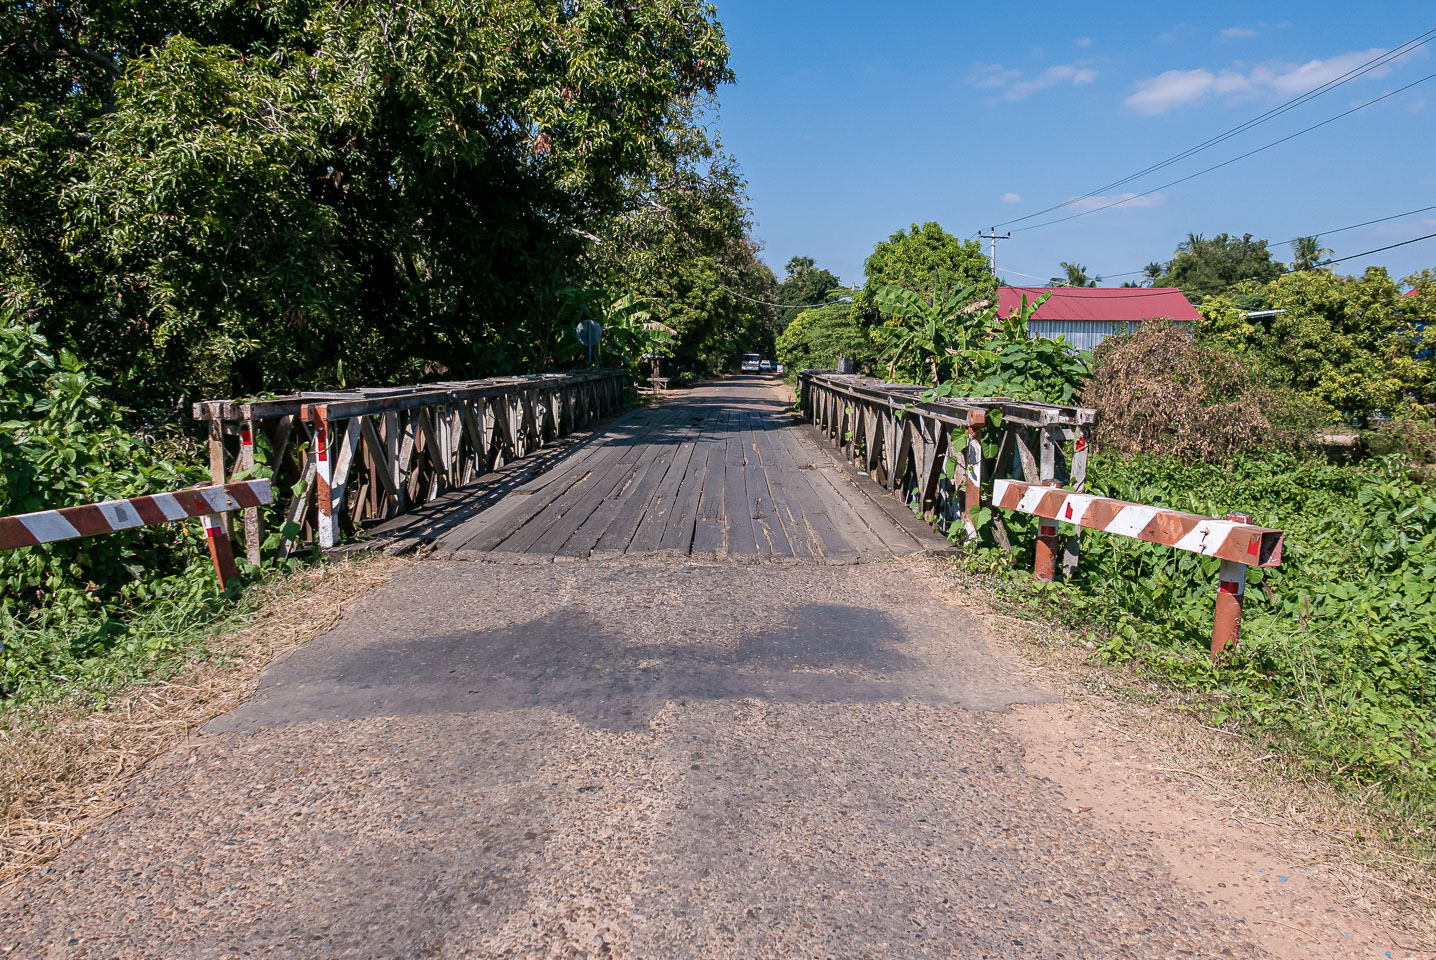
{"x": 1338, "y": 652}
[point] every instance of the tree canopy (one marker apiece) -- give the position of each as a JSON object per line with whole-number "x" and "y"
{"x": 1208, "y": 265}
{"x": 222, "y": 197}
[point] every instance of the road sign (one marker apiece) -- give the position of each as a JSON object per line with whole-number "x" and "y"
{"x": 588, "y": 332}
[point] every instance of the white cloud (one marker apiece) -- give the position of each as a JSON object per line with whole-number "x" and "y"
{"x": 1011, "y": 198}
{"x": 1120, "y": 201}
{"x": 1314, "y": 73}
{"x": 1083, "y": 42}
{"x": 1172, "y": 88}
{"x": 1238, "y": 33}
{"x": 1015, "y": 85}
{"x": 1175, "y": 88}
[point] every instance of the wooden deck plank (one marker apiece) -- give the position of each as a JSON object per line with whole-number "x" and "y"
{"x": 658, "y": 457}
{"x": 585, "y": 501}
{"x": 780, "y": 471}
{"x": 806, "y": 499}
{"x": 678, "y": 532}
{"x": 708, "y": 527}
{"x": 655, "y": 518}
{"x": 767, "y": 528}
{"x": 737, "y": 507}
{"x": 518, "y": 509}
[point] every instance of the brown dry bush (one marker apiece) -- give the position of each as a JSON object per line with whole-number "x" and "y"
{"x": 1157, "y": 391}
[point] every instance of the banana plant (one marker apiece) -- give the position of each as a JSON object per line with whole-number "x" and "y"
{"x": 933, "y": 334}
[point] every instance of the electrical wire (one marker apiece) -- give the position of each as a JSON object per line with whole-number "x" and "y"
{"x": 1358, "y": 71}
{"x": 1324, "y": 233}
{"x": 1367, "y": 253}
{"x": 1218, "y": 166}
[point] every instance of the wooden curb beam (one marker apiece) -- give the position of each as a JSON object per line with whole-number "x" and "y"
{"x": 205, "y": 501}
{"x": 1236, "y": 541}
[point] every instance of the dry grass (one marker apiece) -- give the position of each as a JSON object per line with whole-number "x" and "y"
{"x": 1352, "y": 838}
{"x": 63, "y": 766}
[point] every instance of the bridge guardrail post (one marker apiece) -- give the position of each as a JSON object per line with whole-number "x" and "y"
{"x": 326, "y": 522}
{"x": 1044, "y": 564}
{"x": 1231, "y": 585}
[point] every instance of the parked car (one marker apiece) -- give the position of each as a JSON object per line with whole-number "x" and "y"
{"x": 751, "y": 363}
{"x": 765, "y": 366}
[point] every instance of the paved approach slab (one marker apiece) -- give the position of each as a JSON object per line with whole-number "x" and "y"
{"x": 638, "y": 755}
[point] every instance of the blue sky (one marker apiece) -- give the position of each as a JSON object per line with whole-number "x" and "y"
{"x": 851, "y": 120}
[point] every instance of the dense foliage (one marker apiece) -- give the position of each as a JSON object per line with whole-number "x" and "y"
{"x": 70, "y": 607}
{"x": 223, "y": 197}
{"x": 817, "y": 338}
{"x": 1338, "y": 647}
{"x": 1207, "y": 265}
{"x": 1352, "y": 346}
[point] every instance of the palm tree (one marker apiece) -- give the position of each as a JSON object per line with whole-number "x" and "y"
{"x": 1153, "y": 271}
{"x": 1308, "y": 252}
{"x": 1076, "y": 277}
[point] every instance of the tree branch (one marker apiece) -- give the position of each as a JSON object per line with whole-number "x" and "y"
{"x": 95, "y": 59}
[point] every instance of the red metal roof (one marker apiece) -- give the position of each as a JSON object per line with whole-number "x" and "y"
{"x": 1412, "y": 292}
{"x": 1101, "y": 304}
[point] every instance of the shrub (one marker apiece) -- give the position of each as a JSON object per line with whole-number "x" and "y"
{"x": 70, "y": 606}
{"x": 1157, "y": 391}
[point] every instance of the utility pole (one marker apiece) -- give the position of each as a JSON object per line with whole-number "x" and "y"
{"x": 994, "y": 236}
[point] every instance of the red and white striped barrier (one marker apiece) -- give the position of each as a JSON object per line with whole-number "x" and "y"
{"x": 1236, "y": 541}
{"x": 88, "y": 520}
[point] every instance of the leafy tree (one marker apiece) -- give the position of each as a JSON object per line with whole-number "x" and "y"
{"x": 1075, "y": 276}
{"x": 817, "y": 338}
{"x": 1203, "y": 266}
{"x": 1308, "y": 252}
{"x": 1350, "y": 344}
{"x": 1013, "y": 363}
{"x": 913, "y": 258}
{"x": 806, "y": 283}
{"x": 930, "y": 336}
{"x": 224, "y": 197}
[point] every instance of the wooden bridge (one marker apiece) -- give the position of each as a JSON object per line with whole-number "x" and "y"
{"x": 725, "y": 470}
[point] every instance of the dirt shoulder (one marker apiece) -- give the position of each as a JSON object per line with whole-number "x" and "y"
{"x": 63, "y": 766}
{"x": 1237, "y": 826}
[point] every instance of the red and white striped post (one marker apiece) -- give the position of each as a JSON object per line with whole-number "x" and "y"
{"x": 221, "y": 551}
{"x": 1044, "y": 565}
{"x": 328, "y": 523}
{"x": 972, "y": 496}
{"x": 1231, "y": 585}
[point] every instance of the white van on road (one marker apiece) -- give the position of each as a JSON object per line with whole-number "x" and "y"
{"x": 751, "y": 362}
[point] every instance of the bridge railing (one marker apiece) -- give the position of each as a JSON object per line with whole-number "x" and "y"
{"x": 344, "y": 459}
{"x": 930, "y": 452}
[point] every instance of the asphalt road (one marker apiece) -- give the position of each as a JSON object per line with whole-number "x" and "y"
{"x": 638, "y": 757}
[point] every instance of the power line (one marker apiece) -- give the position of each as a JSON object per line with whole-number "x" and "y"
{"x": 786, "y": 306}
{"x": 1354, "y": 73}
{"x": 1218, "y": 166}
{"x": 1324, "y": 233}
{"x": 1367, "y": 253}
